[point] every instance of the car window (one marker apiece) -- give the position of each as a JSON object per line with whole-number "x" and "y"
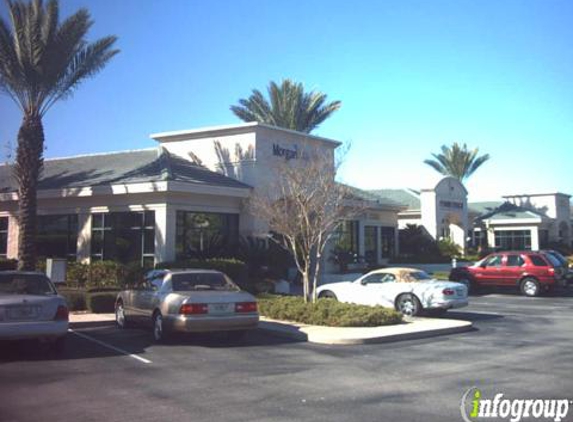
{"x": 554, "y": 261}
{"x": 379, "y": 278}
{"x": 25, "y": 284}
{"x": 156, "y": 283}
{"x": 493, "y": 261}
{"x": 559, "y": 258}
{"x": 418, "y": 276}
{"x": 537, "y": 261}
{"x": 514, "y": 261}
{"x": 184, "y": 282}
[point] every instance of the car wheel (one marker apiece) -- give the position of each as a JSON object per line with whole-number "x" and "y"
{"x": 120, "y": 318}
{"x": 327, "y": 294}
{"x": 408, "y": 305}
{"x": 159, "y": 334}
{"x": 466, "y": 282}
{"x": 530, "y": 287}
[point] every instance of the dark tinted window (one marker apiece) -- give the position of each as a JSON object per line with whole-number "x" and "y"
{"x": 25, "y": 284}
{"x": 201, "y": 281}
{"x": 554, "y": 261}
{"x": 537, "y": 261}
{"x": 514, "y": 261}
{"x": 562, "y": 260}
{"x": 3, "y": 236}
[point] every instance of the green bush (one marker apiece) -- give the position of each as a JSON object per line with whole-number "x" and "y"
{"x": 326, "y": 312}
{"x": 76, "y": 298}
{"x": 103, "y": 274}
{"x": 8, "y": 264}
{"x": 234, "y": 268}
{"x": 448, "y": 248}
{"x": 101, "y": 302}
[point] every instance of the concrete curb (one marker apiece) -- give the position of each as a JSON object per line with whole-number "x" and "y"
{"x": 416, "y": 328}
{"x": 86, "y": 320}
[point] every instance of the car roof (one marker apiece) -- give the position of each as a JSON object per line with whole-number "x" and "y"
{"x": 396, "y": 270}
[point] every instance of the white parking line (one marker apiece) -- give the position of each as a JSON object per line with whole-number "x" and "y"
{"x": 109, "y": 346}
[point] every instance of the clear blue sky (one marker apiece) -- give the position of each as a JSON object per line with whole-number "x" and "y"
{"x": 411, "y": 75}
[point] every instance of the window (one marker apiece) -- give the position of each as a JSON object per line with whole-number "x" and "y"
{"x": 493, "y": 261}
{"x": 57, "y": 236}
{"x": 3, "y": 236}
{"x": 513, "y": 239}
{"x": 387, "y": 241}
{"x": 371, "y": 244}
{"x": 379, "y": 278}
{"x": 125, "y": 237}
{"x": 347, "y": 236}
{"x": 514, "y": 261}
{"x": 200, "y": 233}
{"x": 537, "y": 261}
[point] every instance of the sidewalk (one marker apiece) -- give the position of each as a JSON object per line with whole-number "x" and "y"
{"x": 413, "y": 328}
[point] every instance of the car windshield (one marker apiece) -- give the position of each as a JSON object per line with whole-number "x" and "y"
{"x": 554, "y": 261}
{"x": 25, "y": 284}
{"x": 201, "y": 281}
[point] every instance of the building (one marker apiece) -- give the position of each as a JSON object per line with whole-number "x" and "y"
{"x": 164, "y": 203}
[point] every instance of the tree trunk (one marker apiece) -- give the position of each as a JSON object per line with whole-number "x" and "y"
{"x": 27, "y": 168}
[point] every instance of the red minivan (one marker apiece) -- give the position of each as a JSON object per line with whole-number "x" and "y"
{"x": 531, "y": 272}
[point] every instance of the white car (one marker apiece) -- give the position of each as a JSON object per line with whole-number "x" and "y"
{"x": 408, "y": 290}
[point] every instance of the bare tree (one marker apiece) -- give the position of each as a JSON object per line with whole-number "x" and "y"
{"x": 304, "y": 207}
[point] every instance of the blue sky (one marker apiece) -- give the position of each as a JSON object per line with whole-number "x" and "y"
{"x": 411, "y": 75}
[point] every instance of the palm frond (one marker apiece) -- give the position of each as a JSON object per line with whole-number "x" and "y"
{"x": 457, "y": 161}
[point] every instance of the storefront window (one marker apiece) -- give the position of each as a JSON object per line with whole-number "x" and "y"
{"x": 57, "y": 236}
{"x": 371, "y": 244}
{"x": 125, "y": 237}
{"x": 388, "y": 241}
{"x": 202, "y": 234}
{"x": 347, "y": 236}
{"x": 513, "y": 239}
{"x": 3, "y": 236}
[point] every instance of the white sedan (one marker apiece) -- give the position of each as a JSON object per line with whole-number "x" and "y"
{"x": 408, "y": 290}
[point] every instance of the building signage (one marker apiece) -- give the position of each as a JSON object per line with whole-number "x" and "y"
{"x": 288, "y": 154}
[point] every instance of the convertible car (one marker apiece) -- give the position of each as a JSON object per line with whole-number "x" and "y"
{"x": 409, "y": 290}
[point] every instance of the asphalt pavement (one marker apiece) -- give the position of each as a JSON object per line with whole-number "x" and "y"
{"x": 520, "y": 347}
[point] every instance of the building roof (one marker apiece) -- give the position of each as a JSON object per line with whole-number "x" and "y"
{"x": 369, "y": 196}
{"x": 139, "y": 166}
{"x": 509, "y": 211}
{"x": 483, "y": 207}
{"x": 406, "y": 197}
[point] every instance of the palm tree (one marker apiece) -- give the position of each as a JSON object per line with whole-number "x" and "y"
{"x": 41, "y": 62}
{"x": 288, "y": 106}
{"x": 457, "y": 161}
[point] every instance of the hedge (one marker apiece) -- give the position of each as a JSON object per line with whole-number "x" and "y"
{"x": 101, "y": 302}
{"x": 76, "y": 298}
{"x": 326, "y": 312}
{"x": 235, "y": 269}
{"x": 8, "y": 264}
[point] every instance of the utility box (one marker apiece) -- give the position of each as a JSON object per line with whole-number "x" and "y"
{"x": 56, "y": 269}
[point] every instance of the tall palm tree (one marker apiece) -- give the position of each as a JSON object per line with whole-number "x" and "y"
{"x": 457, "y": 161}
{"x": 288, "y": 106}
{"x": 41, "y": 62}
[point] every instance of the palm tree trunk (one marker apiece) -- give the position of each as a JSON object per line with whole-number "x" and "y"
{"x": 29, "y": 163}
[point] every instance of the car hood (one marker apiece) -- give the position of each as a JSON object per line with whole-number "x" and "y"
{"x": 335, "y": 286}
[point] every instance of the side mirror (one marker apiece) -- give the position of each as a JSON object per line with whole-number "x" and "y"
{"x": 363, "y": 282}
{"x": 483, "y": 265}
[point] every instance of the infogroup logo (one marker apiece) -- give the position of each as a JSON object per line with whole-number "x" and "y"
{"x": 474, "y": 406}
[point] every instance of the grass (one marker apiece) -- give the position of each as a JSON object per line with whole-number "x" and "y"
{"x": 326, "y": 312}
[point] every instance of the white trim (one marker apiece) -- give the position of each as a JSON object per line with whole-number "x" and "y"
{"x": 498, "y": 222}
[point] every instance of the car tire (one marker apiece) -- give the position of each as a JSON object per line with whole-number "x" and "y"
{"x": 120, "y": 318}
{"x": 408, "y": 304}
{"x": 530, "y": 287}
{"x": 327, "y": 294}
{"x": 467, "y": 282}
{"x": 159, "y": 334}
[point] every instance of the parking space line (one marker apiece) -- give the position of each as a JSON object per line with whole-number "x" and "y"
{"x": 109, "y": 346}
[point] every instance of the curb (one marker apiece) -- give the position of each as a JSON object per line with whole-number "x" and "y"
{"x": 285, "y": 330}
{"x": 91, "y": 324}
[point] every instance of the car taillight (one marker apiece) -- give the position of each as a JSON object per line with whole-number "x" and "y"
{"x": 551, "y": 270}
{"x": 448, "y": 292}
{"x": 246, "y": 307}
{"x": 193, "y": 309}
{"x": 62, "y": 313}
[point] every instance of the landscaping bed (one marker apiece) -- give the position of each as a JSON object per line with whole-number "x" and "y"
{"x": 326, "y": 312}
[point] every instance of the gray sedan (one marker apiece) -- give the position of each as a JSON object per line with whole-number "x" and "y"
{"x": 188, "y": 301}
{"x": 30, "y": 308}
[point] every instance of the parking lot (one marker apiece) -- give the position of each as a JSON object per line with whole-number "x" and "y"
{"x": 520, "y": 347}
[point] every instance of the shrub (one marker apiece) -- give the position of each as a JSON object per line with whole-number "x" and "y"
{"x": 76, "y": 298}
{"x": 326, "y": 312}
{"x": 448, "y": 248}
{"x": 8, "y": 264}
{"x": 234, "y": 268}
{"x": 101, "y": 302}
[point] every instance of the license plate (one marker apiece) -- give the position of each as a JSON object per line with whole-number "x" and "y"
{"x": 23, "y": 312}
{"x": 220, "y": 308}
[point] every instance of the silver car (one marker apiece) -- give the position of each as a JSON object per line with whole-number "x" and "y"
{"x": 188, "y": 301}
{"x": 30, "y": 308}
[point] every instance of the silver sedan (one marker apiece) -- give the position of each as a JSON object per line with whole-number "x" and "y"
{"x": 30, "y": 308}
{"x": 188, "y": 301}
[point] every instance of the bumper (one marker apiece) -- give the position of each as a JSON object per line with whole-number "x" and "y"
{"x": 31, "y": 330}
{"x": 451, "y": 304}
{"x": 198, "y": 324}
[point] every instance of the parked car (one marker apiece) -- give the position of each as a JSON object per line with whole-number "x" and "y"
{"x": 188, "y": 301}
{"x": 30, "y": 308}
{"x": 532, "y": 272}
{"x": 408, "y": 290}
{"x": 564, "y": 263}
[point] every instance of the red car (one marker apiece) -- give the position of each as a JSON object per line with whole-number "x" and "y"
{"x": 531, "y": 272}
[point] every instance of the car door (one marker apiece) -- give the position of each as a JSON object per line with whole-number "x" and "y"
{"x": 378, "y": 289}
{"x": 511, "y": 269}
{"x": 489, "y": 270}
{"x": 148, "y": 299}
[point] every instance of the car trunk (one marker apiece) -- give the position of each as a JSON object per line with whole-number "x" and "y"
{"x": 22, "y": 308}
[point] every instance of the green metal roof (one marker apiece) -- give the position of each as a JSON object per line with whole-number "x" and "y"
{"x": 405, "y": 197}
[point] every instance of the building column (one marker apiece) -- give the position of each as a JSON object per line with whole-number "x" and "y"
{"x": 13, "y": 232}
{"x": 490, "y": 233}
{"x": 165, "y": 233}
{"x": 534, "y": 238}
{"x": 84, "y": 249}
